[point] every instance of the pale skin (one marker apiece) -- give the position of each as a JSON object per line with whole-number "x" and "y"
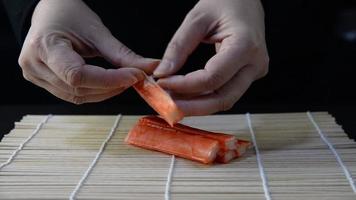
{"x": 63, "y": 32}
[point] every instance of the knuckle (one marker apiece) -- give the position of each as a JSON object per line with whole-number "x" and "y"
{"x": 193, "y": 14}
{"x": 213, "y": 81}
{"x": 80, "y": 92}
{"x": 34, "y": 42}
{"x": 77, "y": 100}
{"x": 264, "y": 71}
{"x": 23, "y": 62}
{"x": 77, "y": 91}
{"x": 226, "y": 104}
{"x": 123, "y": 53}
{"x": 251, "y": 46}
{"x": 263, "y": 68}
{"x": 196, "y": 18}
{"x": 246, "y": 44}
{"x": 123, "y": 50}
{"x": 175, "y": 46}
{"x": 266, "y": 60}
{"x": 31, "y": 79}
{"x": 73, "y": 76}
{"x": 26, "y": 76}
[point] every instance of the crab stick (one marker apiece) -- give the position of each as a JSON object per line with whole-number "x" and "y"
{"x": 152, "y": 132}
{"x": 159, "y": 100}
{"x": 226, "y": 142}
{"x": 241, "y": 147}
{"x": 225, "y": 156}
{"x": 171, "y": 141}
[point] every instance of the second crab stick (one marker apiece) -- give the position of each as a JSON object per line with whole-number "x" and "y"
{"x": 241, "y": 147}
{"x": 227, "y": 142}
{"x": 159, "y": 100}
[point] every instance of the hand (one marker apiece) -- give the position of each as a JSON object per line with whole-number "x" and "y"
{"x": 61, "y": 34}
{"x": 236, "y": 27}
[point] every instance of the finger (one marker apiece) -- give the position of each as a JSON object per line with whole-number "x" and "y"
{"x": 90, "y": 76}
{"x": 120, "y": 55}
{"x": 73, "y": 98}
{"x": 221, "y": 100}
{"x": 42, "y": 72}
{"x": 188, "y": 36}
{"x": 218, "y": 70}
{"x": 71, "y": 68}
{"x": 90, "y": 98}
{"x": 187, "y": 95}
{"x": 93, "y": 98}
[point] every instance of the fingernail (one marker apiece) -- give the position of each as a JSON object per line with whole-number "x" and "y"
{"x": 152, "y": 60}
{"x": 148, "y": 65}
{"x": 151, "y": 63}
{"x": 163, "y": 68}
{"x": 168, "y": 82}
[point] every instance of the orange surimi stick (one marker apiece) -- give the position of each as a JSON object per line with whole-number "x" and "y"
{"x": 227, "y": 142}
{"x": 159, "y": 100}
{"x": 241, "y": 147}
{"x": 154, "y": 133}
{"x": 226, "y": 156}
{"x": 167, "y": 140}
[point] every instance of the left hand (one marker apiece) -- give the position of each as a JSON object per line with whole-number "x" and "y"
{"x": 61, "y": 35}
{"x": 236, "y": 27}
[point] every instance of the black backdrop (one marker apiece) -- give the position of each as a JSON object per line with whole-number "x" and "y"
{"x": 312, "y": 46}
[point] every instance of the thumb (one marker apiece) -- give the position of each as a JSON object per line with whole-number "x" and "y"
{"x": 121, "y": 56}
{"x": 185, "y": 40}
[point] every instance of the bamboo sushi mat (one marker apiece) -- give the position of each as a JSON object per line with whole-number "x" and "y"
{"x": 295, "y": 156}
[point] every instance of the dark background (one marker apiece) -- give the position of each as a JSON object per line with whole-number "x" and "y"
{"x": 312, "y": 48}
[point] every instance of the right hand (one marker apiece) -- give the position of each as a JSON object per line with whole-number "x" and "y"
{"x": 61, "y": 34}
{"x": 236, "y": 27}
